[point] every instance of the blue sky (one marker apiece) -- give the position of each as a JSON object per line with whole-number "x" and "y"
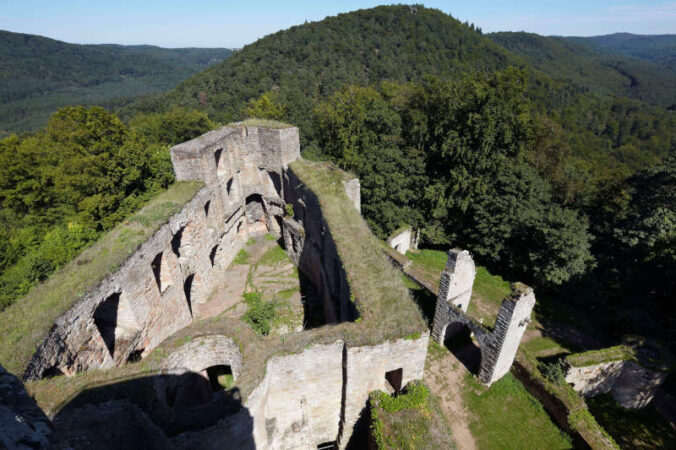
{"x": 225, "y": 23}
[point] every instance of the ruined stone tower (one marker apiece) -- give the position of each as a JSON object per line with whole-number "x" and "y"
{"x": 498, "y": 346}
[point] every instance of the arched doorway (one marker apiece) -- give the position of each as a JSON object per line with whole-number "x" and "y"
{"x": 458, "y": 339}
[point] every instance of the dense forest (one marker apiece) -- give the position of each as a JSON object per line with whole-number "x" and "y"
{"x": 40, "y": 74}
{"x": 539, "y": 155}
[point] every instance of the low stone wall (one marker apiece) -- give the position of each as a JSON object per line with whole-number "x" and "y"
{"x": 595, "y": 379}
{"x": 630, "y": 384}
{"x": 400, "y": 240}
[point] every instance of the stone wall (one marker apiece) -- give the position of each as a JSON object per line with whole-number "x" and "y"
{"x": 153, "y": 294}
{"x": 401, "y": 240}
{"x": 309, "y": 243}
{"x": 499, "y": 346}
{"x": 304, "y": 399}
{"x": 595, "y": 379}
{"x": 314, "y": 397}
{"x": 631, "y": 385}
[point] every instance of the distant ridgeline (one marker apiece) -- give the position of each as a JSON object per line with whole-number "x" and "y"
{"x": 40, "y": 75}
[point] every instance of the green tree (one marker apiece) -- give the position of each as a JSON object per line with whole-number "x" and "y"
{"x": 267, "y": 106}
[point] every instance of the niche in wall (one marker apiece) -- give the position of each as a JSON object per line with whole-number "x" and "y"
{"x": 116, "y": 323}
{"x": 164, "y": 269}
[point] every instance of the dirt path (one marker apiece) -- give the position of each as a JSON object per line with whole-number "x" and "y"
{"x": 444, "y": 377}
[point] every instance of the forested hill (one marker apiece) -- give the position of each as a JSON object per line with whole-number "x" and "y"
{"x": 659, "y": 49}
{"x": 40, "y": 74}
{"x": 585, "y": 63}
{"x": 311, "y": 61}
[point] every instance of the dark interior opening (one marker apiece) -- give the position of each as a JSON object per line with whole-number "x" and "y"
{"x": 277, "y": 182}
{"x": 157, "y": 267}
{"x": 206, "y": 208}
{"x": 458, "y": 339}
{"x": 192, "y": 389}
{"x": 333, "y": 445}
{"x": 105, "y": 319}
{"x": 135, "y": 356}
{"x": 394, "y": 377}
{"x": 52, "y": 372}
{"x": 220, "y": 377}
{"x": 176, "y": 242}
{"x": 254, "y": 208}
{"x": 217, "y": 156}
{"x": 228, "y": 186}
{"x": 187, "y": 289}
{"x": 212, "y": 255}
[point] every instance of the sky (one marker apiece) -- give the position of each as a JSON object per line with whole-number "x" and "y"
{"x": 233, "y": 24}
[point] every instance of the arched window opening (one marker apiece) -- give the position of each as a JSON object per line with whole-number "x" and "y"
{"x": 220, "y": 378}
{"x": 212, "y": 255}
{"x": 116, "y": 323}
{"x": 217, "y": 156}
{"x": 176, "y": 242}
{"x": 206, "y": 208}
{"x": 188, "y": 290}
{"x": 254, "y": 209}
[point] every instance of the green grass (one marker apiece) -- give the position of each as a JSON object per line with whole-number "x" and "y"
{"x": 251, "y": 241}
{"x": 273, "y": 256}
{"x": 286, "y": 294}
{"x": 261, "y": 314}
{"x": 506, "y": 416}
{"x": 490, "y": 288}
{"x": 269, "y": 237}
{"x": 24, "y": 325}
{"x": 242, "y": 257}
{"x": 412, "y": 420}
{"x": 265, "y": 123}
{"x": 382, "y": 300}
{"x": 541, "y": 345}
{"x": 642, "y": 428}
{"x": 431, "y": 262}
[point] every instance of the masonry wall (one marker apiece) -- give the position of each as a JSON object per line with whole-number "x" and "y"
{"x": 310, "y": 245}
{"x": 595, "y": 379}
{"x": 153, "y": 294}
{"x": 401, "y": 242}
{"x": 313, "y": 397}
{"x": 630, "y": 384}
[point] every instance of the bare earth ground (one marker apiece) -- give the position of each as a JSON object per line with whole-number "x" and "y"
{"x": 444, "y": 375}
{"x": 258, "y": 274}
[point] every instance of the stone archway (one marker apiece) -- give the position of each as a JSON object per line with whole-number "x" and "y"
{"x": 458, "y": 338}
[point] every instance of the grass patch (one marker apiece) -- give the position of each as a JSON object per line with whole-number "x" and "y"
{"x": 265, "y": 123}
{"x": 383, "y": 302}
{"x": 251, "y": 241}
{"x": 490, "y": 288}
{"x": 286, "y": 294}
{"x": 242, "y": 257}
{"x": 269, "y": 237}
{"x": 641, "y": 428}
{"x": 25, "y": 323}
{"x": 411, "y": 420}
{"x": 260, "y": 314}
{"x": 507, "y": 416}
{"x": 430, "y": 262}
{"x": 273, "y": 256}
{"x": 540, "y": 345}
